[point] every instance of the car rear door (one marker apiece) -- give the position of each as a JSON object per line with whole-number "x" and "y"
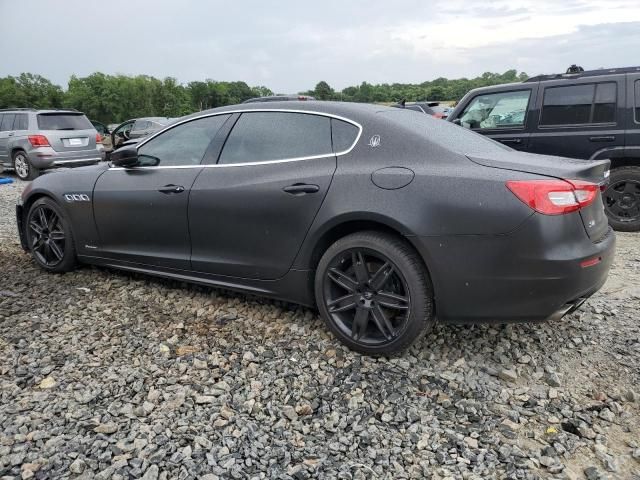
{"x": 580, "y": 118}
{"x": 249, "y": 214}
{"x": 502, "y": 114}
{"x": 141, "y": 212}
{"x": 4, "y": 140}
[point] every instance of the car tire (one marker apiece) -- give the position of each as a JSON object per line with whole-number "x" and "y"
{"x": 49, "y": 237}
{"x": 23, "y": 167}
{"x": 622, "y": 199}
{"x": 374, "y": 293}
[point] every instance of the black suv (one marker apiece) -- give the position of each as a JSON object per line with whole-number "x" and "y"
{"x": 580, "y": 114}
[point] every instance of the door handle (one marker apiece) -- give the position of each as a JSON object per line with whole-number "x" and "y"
{"x": 169, "y": 189}
{"x": 301, "y": 188}
{"x": 602, "y": 138}
{"x": 511, "y": 140}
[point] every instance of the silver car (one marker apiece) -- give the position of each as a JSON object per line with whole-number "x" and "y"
{"x": 33, "y": 140}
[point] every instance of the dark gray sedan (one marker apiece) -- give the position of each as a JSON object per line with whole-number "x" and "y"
{"x": 384, "y": 219}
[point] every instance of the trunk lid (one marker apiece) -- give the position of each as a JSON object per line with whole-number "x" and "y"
{"x": 67, "y": 131}
{"x": 594, "y": 171}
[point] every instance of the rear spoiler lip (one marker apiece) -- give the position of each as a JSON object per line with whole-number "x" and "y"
{"x": 515, "y": 166}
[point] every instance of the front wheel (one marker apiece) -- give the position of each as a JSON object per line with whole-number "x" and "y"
{"x": 49, "y": 237}
{"x": 22, "y": 166}
{"x": 622, "y": 199}
{"x": 374, "y": 293}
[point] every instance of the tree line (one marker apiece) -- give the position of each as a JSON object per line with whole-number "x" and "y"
{"x": 115, "y": 98}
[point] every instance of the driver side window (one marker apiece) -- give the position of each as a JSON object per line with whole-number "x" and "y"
{"x": 497, "y": 110}
{"x": 182, "y": 145}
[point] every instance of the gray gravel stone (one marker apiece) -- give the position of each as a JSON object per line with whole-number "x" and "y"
{"x": 157, "y": 379}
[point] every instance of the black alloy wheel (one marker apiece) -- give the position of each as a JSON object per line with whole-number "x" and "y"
{"x": 367, "y": 296}
{"x": 49, "y": 237}
{"x": 374, "y": 293}
{"x": 622, "y": 199}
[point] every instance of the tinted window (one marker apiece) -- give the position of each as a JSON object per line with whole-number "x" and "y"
{"x": 184, "y": 144}
{"x": 7, "y": 122}
{"x": 21, "y": 122}
{"x": 497, "y": 110}
{"x": 100, "y": 128}
{"x": 63, "y": 121}
{"x": 579, "y": 104}
{"x": 637, "y": 88}
{"x": 264, "y": 136}
{"x": 344, "y": 134}
{"x": 141, "y": 125}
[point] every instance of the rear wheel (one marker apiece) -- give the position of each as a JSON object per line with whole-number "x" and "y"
{"x": 622, "y": 199}
{"x": 22, "y": 166}
{"x": 374, "y": 293}
{"x": 49, "y": 237}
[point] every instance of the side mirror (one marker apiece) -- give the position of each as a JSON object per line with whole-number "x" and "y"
{"x": 126, "y": 156}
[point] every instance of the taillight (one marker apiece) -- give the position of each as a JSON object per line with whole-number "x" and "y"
{"x": 554, "y": 197}
{"x": 98, "y": 138}
{"x": 39, "y": 141}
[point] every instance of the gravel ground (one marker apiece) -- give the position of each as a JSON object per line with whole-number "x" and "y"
{"x": 111, "y": 375}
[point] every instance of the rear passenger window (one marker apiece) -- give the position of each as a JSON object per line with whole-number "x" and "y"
{"x": 637, "y": 109}
{"x": 7, "y": 122}
{"x": 344, "y": 135}
{"x": 579, "y": 104}
{"x": 268, "y": 136}
{"x": 21, "y": 122}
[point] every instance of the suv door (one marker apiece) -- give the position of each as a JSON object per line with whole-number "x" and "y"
{"x": 6, "y": 132}
{"x": 502, "y": 115}
{"x": 632, "y": 140}
{"x": 141, "y": 212}
{"x": 249, "y": 214}
{"x": 580, "y": 118}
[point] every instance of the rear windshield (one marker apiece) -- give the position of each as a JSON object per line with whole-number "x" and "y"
{"x": 448, "y": 135}
{"x": 63, "y": 121}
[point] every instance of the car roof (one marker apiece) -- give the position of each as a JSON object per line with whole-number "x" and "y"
{"x": 349, "y": 110}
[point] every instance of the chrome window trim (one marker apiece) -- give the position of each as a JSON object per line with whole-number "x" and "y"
{"x": 247, "y": 164}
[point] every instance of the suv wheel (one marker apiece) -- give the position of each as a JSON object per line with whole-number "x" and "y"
{"x": 374, "y": 293}
{"x": 622, "y": 199}
{"x": 22, "y": 166}
{"x": 49, "y": 237}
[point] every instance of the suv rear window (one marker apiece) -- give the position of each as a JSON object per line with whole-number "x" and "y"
{"x": 579, "y": 104}
{"x": 63, "y": 121}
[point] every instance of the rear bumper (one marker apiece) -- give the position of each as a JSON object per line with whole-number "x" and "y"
{"x": 531, "y": 274}
{"x": 47, "y": 157}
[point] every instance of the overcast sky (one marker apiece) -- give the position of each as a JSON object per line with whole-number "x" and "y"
{"x": 290, "y": 45}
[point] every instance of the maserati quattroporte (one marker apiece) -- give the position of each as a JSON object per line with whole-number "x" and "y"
{"x": 384, "y": 219}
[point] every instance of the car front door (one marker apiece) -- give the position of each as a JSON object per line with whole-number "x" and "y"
{"x": 503, "y": 115}
{"x": 141, "y": 212}
{"x": 581, "y": 118}
{"x": 249, "y": 213}
{"x": 120, "y": 134}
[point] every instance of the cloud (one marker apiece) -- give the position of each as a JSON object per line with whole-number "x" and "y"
{"x": 291, "y": 47}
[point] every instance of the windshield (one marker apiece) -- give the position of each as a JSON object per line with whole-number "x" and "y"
{"x": 63, "y": 121}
